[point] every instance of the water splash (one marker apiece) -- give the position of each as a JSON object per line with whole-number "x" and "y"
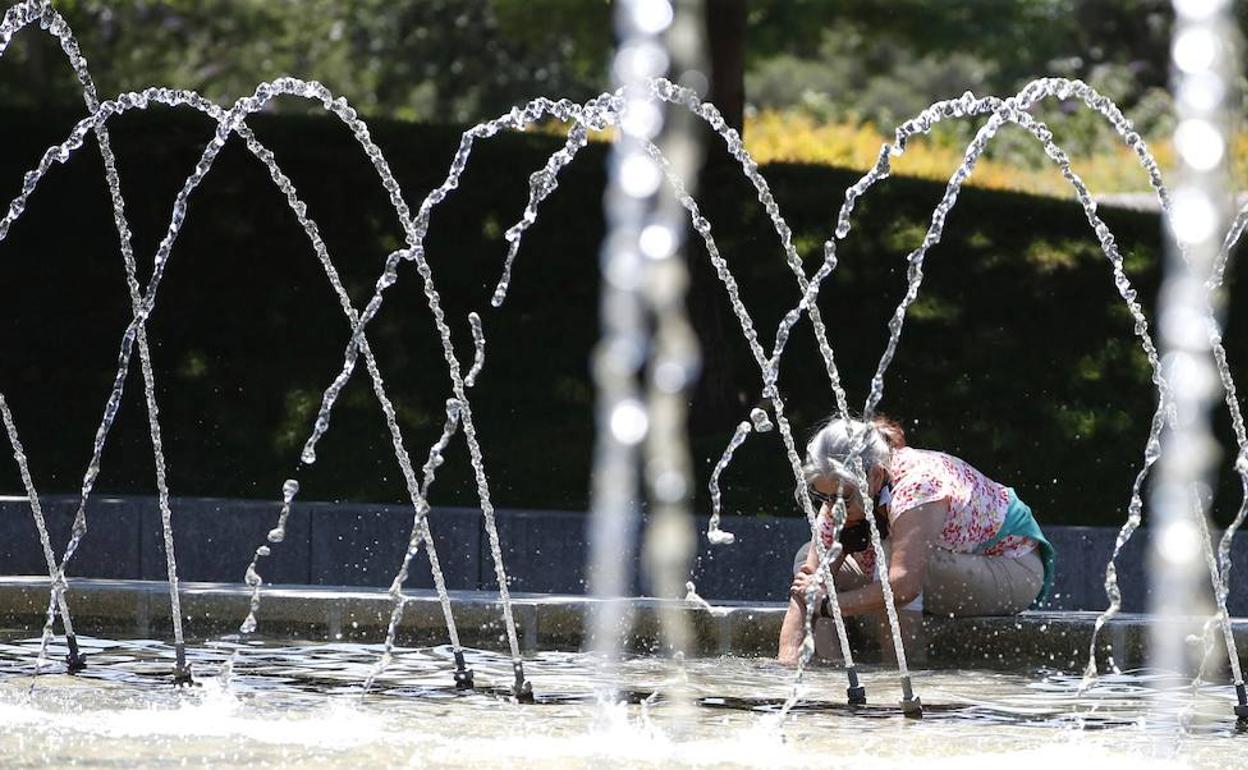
{"x": 646, "y": 335}
{"x": 228, "y": 124}
{"x": 421, "y": 533}
{"x": 1008, "y": 110}
{"x": 714, "y": 534}
{"x": 770, "y": 374}
{"x": 15, "y": 19}
{"x": 666, "y": 91}
{"x": 541, "y": 184}
{"x": 276, "y": 535}
{"x": 692, "y": 596}
{"x": 478, "y": 347}
{"x": 758, "y": 422}
{"x": 299, "y": 208}
{"x": 55, "y": 576}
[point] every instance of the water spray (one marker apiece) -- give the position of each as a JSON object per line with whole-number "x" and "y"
{"x": 1203, "y": 57}
{"x": 1194, "y": 127}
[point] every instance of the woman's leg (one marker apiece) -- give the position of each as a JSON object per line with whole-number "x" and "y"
{"x": 909, "y": 623}
{"x": 962, "y": 584}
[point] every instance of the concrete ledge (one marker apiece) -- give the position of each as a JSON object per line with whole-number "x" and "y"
{"x": 129, "y": 608}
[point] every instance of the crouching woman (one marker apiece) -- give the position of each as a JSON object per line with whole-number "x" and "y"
{"x": 957, "y": 542}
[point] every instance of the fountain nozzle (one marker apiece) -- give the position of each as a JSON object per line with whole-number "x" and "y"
{"x": 463, "y": 674}
{"x": 181, "y": 670}
{"x": 182, "y": 676}
{"x": 75, "y": 661}
{"x": 856, "y": 693}
{"x": 911, "y": 706}
{"x": 523, "y": 687}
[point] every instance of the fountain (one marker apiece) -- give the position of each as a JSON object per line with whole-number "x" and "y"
{"x": 643, "y": 366}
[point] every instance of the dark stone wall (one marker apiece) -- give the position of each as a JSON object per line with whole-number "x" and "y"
{"x": 358, "y": 544}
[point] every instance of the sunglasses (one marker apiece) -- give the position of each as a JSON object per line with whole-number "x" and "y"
{"x": 818, "y": 498}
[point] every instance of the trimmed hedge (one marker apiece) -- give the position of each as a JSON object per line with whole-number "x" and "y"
{"x": 1018, "y": 355}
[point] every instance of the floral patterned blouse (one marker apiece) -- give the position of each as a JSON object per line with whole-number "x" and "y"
{"x": 977, "y": 504}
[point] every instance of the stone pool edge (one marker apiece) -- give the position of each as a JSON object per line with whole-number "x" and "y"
{"x": 140, "y": 608}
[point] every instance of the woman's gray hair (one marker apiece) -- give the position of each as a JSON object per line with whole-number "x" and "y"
{"x": 827, "y": 454}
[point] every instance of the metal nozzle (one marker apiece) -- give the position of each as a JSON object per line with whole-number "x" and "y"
{"x": 463, "y": 674}
{"x": 523, "y": 688}
{"x": 75, "y": 661}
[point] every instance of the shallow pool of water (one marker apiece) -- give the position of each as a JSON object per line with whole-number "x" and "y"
{"x": 284, "y": 704}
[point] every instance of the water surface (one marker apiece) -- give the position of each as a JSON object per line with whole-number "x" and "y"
{"x": 284, "y": 704}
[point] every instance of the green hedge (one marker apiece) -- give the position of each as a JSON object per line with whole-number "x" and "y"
{"x": 1018, "y": 355}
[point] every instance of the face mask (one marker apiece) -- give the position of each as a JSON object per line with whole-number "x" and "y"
{"x": 856, "y": 538}
{"x": 885, "y": 496}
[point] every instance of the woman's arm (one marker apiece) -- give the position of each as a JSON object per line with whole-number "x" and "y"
{"x": 913, "y": 533}
{"x": 793, "y": 628}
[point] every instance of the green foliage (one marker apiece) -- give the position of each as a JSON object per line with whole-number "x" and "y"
{"x": 1018, "y": 355}
{"x": 1021, "y": 38}
{"x": 882, "y": 63}
{"x": 857, "y": 74}
{"x": 464, "y": 60}
{"x": 437, "y": 60}
{"x": 852, "y": 62}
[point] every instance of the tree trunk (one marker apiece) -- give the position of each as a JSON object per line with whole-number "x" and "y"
{"x": 725, "y": 34}
{"x": 718, "y": 405}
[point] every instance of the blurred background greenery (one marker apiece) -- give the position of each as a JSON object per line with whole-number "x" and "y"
{"x": 1018, "y": 355}
{"x": 824, "y": 81}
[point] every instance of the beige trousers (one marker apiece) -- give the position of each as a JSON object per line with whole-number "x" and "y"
{"x": 962, "y": 584}
{"x": 954, "y": 585}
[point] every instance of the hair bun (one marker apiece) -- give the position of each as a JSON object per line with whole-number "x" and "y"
{"x": 891, "y": 430}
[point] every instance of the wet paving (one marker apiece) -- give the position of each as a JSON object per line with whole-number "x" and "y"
{"x": 282, "y": 703}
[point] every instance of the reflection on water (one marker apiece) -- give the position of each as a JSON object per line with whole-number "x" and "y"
{"x": 286, "y": 703}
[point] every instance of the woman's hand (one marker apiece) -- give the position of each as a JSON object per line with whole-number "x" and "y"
{"x": 802, "y": 582}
